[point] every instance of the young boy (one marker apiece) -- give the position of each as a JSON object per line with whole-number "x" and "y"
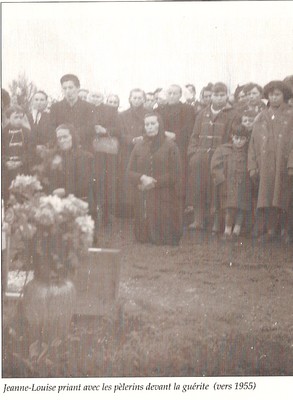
{"x": 229, "y": 171}
{"x": 15, "y": 148}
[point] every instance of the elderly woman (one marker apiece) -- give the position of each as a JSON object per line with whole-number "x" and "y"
{"x": 67, "y": 169}
{"x": 154, "y": 171}
{"x": 268, "y": 157}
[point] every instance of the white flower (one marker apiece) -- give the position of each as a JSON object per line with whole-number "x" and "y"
{"x": 44, "y": 216}
{"x": 86, "y": 224}
{"x": 75, "y": 206}
{"x": 54, "y": 201}
{"x": 26, "y": 181}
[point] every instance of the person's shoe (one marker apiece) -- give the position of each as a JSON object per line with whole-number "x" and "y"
{"x": 195, "y": 227}
{"x": 225, "y": 237}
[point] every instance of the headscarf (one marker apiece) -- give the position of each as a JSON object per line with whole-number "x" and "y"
{"x": 156, "y": 141}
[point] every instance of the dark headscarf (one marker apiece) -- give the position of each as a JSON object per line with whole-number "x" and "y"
{"x": 160, "y": 137}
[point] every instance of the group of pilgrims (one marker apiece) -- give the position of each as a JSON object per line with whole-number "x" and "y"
{"x": 222, "y": 164}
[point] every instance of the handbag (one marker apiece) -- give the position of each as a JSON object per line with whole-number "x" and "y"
{"x": 106, "y": 144}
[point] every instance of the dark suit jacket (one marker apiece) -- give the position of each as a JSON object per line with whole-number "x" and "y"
{"x": 41, "y": 133}
{"x": 179, "y": 118}
{"x": 81, "y": 115}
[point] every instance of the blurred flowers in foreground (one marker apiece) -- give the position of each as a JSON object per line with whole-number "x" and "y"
{"x": 49, "y": 234}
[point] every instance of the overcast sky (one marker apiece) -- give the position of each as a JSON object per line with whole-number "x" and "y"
{"x": 118, "y": 46}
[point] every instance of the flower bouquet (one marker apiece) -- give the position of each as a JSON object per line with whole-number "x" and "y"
{"x": 49, "y": 234}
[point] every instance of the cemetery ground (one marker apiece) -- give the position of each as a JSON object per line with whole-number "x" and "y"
{"x": 204, "y": 308}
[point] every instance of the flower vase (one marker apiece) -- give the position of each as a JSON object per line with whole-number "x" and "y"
{"x": 48, "y": 308}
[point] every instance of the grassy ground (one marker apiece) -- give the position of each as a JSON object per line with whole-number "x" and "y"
{"x": 205, "y": 308}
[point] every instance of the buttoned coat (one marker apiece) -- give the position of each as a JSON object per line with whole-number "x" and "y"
{"x": 229, "y": 171}
{"x": 268, "y": 155}
{"x": 210, "y": 131}
{"x": 14, "y": 146}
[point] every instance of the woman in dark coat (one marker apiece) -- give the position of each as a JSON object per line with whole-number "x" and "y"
{"x": 67, "y": 169}
{"x": 154, "y": 171}
{"x": 268, "y": 157}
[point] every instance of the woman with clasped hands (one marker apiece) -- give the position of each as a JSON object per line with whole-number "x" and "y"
{"x": 154, "y": 171}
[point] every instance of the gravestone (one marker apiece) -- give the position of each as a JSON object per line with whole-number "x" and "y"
{"x": 97, "y": 282}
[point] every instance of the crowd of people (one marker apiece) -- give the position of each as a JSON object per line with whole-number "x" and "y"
{"x": 223, "y": 163}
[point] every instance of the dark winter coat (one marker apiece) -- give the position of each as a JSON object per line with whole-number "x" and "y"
{"x": 81, "y": 115}
{"x": 106, "y": 164}
{"x": 179, "y": 118}
{"x": 158, "y": 214}
{"x": 258, "y": 108}
{"x": 229, "y": 171}
{"x": 209, "y": 132}
{"x": 268, "y": 154}
{"x": 74, "y": 173}
{"x": 131, "y": 123}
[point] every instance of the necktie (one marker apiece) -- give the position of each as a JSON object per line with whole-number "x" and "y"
{"x": 38, "y": 116}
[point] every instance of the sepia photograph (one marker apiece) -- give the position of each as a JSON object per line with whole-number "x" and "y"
{"x": 147, "y": 195}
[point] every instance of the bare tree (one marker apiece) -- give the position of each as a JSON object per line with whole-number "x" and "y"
{"x": 22, "y": 91}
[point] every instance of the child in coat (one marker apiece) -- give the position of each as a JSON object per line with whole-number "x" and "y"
{"x": 229, "y": 171}
{"x": 15, "y": 148}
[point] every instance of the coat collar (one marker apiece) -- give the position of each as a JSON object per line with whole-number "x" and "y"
{"x": 209, "y": 113}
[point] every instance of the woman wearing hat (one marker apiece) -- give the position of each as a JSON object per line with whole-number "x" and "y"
{"x": 154, "y": 171}
{"x": 267, "y": 159}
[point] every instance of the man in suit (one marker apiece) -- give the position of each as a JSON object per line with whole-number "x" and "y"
{"x": 40, "y": 127}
